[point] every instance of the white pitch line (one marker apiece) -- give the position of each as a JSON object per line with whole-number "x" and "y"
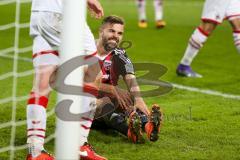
{"x": 192, "y": 89}
{"x": 206, "y": 91}
{"x": 178, "y": 86}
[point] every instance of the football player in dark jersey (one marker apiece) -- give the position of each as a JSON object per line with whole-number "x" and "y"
{"x": 131, "y": 115}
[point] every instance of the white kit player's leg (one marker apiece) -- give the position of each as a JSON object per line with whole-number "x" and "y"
{"x": 36, "y": 123}
{"x": 233, "y": 16}
{"x": 158, "y": 7}
{"x": 142, "y": 18}
{"x": 213, "y": 14}
{"x": 89, "y": 103}
{"x": 194, "y": 45}
{"x": 215, "y": 10}
{"x": 45, "y": 61}
{"x": 87, "y": 116}
{"x": 89, "y": 106}
{"x": 236, "y": 38}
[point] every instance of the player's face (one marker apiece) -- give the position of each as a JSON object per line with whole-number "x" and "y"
{"x": 111, "y": 35}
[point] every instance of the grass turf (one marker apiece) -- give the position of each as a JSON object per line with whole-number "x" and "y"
{"x": 196, "y": 125}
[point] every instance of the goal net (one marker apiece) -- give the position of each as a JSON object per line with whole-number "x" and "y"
{"x": 16, "y": 73}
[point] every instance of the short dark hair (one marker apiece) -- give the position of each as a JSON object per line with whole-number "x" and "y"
{"x": 113, "y": 20}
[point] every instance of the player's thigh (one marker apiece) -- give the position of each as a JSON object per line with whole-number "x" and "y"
{"x": 235, "y": 23}
{"x": 44, "y": 29}
{"x": 208, "y": 27}
{"x": 89, "y": 41}
{"x": 50, "y": 25}
{"x": 43, "y": 76}
{"x": 233, "y": 10}
{"x": 43, "y": 53}
{"x": 214, "y": 11}
{"x": 233, "y": 14}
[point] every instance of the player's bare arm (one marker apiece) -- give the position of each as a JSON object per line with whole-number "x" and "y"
{"x": 134, "y": 89}
{"x": 93, "y": 85}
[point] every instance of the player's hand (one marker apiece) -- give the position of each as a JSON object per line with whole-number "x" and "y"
{"x": 123, "y": 97}
{"x": 95, "y": 8}
{"x": 140, "y": 104}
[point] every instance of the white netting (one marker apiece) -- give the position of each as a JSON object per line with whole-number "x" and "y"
{"x": 15, "y": 55}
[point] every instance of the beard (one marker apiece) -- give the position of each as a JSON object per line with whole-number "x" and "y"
{"x": 110, "y": 45}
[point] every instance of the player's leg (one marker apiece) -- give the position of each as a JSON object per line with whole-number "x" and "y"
{"x": 45, "y": 61}
{"x": 135, "y": 128}
{"x": 196, "y": 42}
{"x": 117, "y": 120}
{"x": 158, "y": 6}
{"x": 36, "y": 109}
{"x": 236, "y": 32}
{"x": 233, "y": 16}
{"x": 213, "y": 14}
{"x": 86, "y": 151}
{"x": 89, "y": 104}
{"x": 153, "y": 126}
{"x": 106, "y": 112}
{"x": 142, "y": 19}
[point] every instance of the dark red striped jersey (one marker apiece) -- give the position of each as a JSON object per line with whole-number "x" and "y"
{"x": 114, "y": 65}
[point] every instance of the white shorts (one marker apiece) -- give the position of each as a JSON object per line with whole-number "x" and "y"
{"x": 217, "y": 10}
{"x": 45, "y": 29}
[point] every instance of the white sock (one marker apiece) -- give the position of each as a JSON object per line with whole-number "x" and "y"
{"x": 36, "y": 123}
{"x": 141, "y": 6}
{"x": 85, "y": 126}
{"x": 158, "y": 9}
{"x": 194, "y": 45}
{"x": 236, "y": 38}
{"x": 88, "y": 108}
{"x": 35, "y": 148}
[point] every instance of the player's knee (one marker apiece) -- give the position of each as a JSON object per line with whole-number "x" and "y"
{"x": 41, "y": 86}
{"x": 235, "y": 23}
{"x": 42, "y": 79}
{"x": 103, "y": 101}
{"x": 208, "y": 27}
{"x": 116, "y": 119}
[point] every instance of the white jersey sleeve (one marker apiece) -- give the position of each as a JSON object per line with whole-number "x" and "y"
{"x": 47, "y": 5}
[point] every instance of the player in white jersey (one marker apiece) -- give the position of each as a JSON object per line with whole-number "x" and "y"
{"x": 214, "y": 12}
{"x": 45, "y": 29}
{"x": 158, "y": 8}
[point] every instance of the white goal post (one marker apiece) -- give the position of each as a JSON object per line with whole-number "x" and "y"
{"x": 68, "y": 132}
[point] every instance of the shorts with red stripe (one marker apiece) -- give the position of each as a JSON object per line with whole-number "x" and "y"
{"x": 216, "y": 11}
{"x": 45, "y": 29}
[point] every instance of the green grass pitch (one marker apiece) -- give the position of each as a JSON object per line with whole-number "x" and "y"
{"x": 197, "y": 126}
